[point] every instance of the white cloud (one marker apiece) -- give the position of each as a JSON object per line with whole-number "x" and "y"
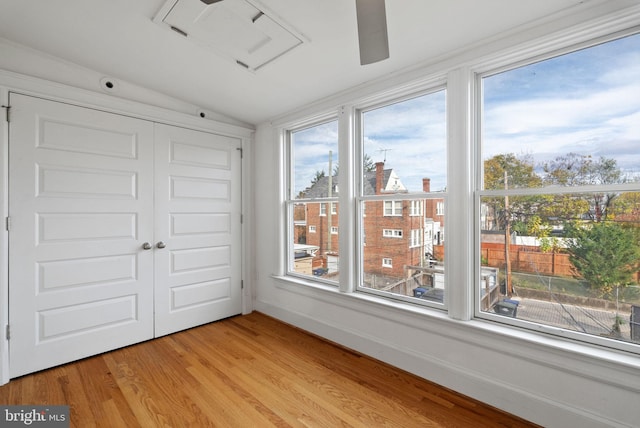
{"x": 548, "y": 127}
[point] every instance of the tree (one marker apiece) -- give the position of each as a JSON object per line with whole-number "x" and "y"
{"x": 367, "y": 163}
{"x": 626, "y": 208}
{"x": 520, "y": 172}
{"x": 604, "y": 253}
{"x": 508, "y": 171}
{"x": 318, "y": 175}
{"x": 574, "y": 169}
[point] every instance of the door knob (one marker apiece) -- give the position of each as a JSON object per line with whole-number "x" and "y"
{"x": 161, "y": 244}
{"x": 146, "y": 246}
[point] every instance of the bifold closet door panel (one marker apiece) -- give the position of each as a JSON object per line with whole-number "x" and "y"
{"x": 81, "y": 208}
{"x": 197, "y": 228}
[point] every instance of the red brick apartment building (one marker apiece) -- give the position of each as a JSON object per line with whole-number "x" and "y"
{"x": 397, "y": 233}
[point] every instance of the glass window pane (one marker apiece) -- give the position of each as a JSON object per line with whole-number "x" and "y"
{"x": 315, "y": 241}
{"x": 557, "y": 255}
{"x": 410, "y": 139}
{"x": 314, "y": 153}
{"x": 578, "y": 273}
{"x": 404, "y": 146}
{"x": 570, "y": 120}
{"x": 404, "y": 255}
{"x": 314, "y": 156}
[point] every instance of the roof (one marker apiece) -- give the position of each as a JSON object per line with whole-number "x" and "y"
{"x": 320, "y": 189}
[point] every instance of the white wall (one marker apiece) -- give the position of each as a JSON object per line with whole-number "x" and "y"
{"x": 545, "y": 379}
{"x": 59, "y": 73}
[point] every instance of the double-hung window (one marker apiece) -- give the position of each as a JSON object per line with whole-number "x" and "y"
{"x": 416, "y": 208}
{"x": 312, "y": 199}
{"x": 404, "y": 142}
{"x": 551, "y": 151}
{"x": 416, "y": 238}
{"x": 393, "y": 208}
{"x": 559, "y": 201}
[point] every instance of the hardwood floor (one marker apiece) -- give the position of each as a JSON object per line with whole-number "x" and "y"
{"x": 246, "y": 371}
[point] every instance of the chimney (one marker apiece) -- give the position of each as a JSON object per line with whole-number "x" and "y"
{"x": 379, "y": 177}
{"x": 426, "y": 185}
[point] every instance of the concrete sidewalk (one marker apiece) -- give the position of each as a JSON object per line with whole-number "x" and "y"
{"x": 578, "y": 318}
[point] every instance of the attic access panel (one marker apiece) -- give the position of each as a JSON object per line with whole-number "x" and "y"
{"x": 243, "y": 31}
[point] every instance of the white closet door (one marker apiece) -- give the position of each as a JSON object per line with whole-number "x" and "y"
{"x": 198, "y": 208}
{"x": 81, "y": 207}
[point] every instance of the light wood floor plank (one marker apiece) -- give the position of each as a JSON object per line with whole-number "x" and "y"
{"x": 247, "y": 371}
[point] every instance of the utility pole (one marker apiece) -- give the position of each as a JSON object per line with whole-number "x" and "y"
{"x": 507, "y": 240}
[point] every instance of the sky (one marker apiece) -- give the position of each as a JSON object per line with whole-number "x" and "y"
{"x": 311, "y": 149}
{"x": 586, "y": 102}
{"x": 415, "y": 145}
{"x": 409, "y": 136}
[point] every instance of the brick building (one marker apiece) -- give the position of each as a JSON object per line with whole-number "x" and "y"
{"x": 397, "y": 233}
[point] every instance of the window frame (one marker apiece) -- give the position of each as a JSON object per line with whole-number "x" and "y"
{"x": 395, "y": 206}
{"x": 432, "y": 86}
{"x": 416, "y": 238}
{"x": 290, "y": 199}
{"x": 416, "y": 208}
{"x": 462, "y": 199}
{"x": 392, "y": 233}
{"x": 506, "y": 64}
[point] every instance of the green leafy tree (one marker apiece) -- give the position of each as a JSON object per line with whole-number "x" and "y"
{"x": 508, "y": 171}
{"x": 606, "y": 254}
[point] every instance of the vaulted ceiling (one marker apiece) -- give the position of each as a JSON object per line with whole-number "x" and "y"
{"x": 133, "y": 41}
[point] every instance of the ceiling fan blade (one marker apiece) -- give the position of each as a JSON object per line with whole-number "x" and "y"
{"x": 372, "y": 31}
{"x": 210, "y": 1}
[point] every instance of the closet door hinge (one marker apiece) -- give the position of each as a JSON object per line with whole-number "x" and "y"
{"x": 241, "y": 152}
{"x": 8, "y": 113}
{"x": 241, "y": 286}
{"x": 7, "y": 333}
{"x": 7, "y": 223}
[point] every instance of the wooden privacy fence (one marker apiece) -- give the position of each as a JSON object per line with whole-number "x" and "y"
{"x": 525, "y": 258}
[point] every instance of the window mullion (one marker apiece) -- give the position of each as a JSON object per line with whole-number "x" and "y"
{"x": 459, "y": 214}
{"x": 346, "y": 198}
